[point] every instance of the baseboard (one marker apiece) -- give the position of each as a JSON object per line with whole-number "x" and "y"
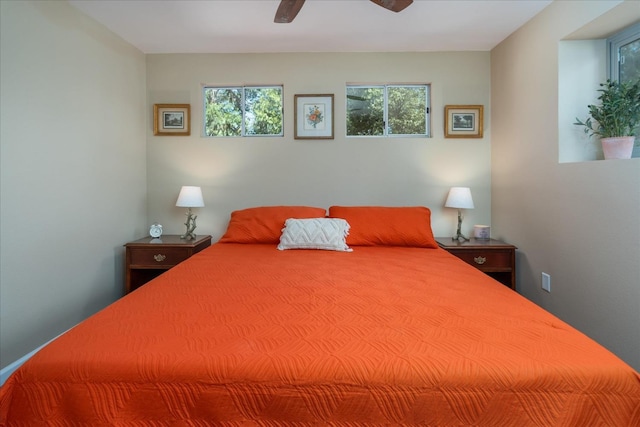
{"x": 9, "y": 369}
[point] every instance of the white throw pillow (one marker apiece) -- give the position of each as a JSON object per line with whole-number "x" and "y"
{"x": 315, "y": 233}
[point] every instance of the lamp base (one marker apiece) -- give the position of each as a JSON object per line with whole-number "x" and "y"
{"x": 459, "y": 234}
{"x": 459, "y": 237}
{"x": 191, "y": 226}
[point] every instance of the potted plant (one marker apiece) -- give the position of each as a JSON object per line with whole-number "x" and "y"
{"x": 615, "y": 120}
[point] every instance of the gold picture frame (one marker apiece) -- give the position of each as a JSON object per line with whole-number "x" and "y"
{"x": 313, "y": 116}
{"x": 172, "y": 119}
{"x": 463, "y": 121}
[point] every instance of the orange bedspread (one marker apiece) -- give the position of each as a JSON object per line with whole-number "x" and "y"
{"x": 249, "y": 335}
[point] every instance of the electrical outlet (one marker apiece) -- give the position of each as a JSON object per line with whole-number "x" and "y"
{"x": 546, "y": 282}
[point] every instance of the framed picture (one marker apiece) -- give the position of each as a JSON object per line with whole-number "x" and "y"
{"x": 171, "y": 119}
{"x": 313, "y": 117}
{"x": 463, "y": 121}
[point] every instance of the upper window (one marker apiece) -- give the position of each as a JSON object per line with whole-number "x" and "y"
{"x": 243, "y": 111}
{"x": 624, "y": 54}
{"x": 388, "y": 110}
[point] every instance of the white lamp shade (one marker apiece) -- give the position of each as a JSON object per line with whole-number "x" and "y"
{"x": 190, "y": 197}
{"x": 459, "y": 197}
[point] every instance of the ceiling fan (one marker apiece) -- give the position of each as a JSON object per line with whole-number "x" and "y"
{"x": 288, "y": 9}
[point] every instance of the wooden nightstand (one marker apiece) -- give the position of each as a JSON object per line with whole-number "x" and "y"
{"x": 147, "y": 258}
{"x": 493, "y": 257}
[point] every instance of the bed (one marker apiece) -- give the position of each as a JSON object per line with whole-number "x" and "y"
{"x": 296, "y": 319}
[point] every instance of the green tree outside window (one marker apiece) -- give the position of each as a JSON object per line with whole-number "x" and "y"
{"x": 243, "y": 111}
{"x": 388, "y": 110}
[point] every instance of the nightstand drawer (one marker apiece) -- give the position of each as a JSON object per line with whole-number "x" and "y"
{"x": 493, "y": 257}
{"x": 149, "y": 257}
{"x": 158, "y": 257}
{"x": 486, "y": 259}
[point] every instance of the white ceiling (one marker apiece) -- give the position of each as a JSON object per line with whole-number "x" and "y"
{"x": 242, "y": 26}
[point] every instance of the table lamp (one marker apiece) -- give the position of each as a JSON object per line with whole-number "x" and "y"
{"x": 190, "y": 197}
{"x": 459, "y": 198}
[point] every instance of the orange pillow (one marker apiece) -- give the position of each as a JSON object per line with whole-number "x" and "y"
{"x": 264, "y": 224}
{"x": 387, "y": 226}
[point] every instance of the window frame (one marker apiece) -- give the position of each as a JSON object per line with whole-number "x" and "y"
{"x": 614, "y": 43}
{"x": 385, "y": 114}
{"x": 243, "y": 108}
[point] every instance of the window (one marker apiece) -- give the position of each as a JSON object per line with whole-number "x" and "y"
{"x": 388, "y": 110}
{"x": 243, "y": 111}
{"x": 624, "y": 54}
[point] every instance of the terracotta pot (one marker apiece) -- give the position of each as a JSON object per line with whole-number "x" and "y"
{"x": 619, "y": 147}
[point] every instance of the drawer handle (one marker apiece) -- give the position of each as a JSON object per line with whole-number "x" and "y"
{"x": 480, "y": 260}
{"x": 159, "y": 257}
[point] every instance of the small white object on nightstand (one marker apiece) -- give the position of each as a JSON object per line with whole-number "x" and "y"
{"x": 155, "y": 230}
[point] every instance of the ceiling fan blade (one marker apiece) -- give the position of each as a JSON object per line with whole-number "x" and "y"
{"x": 393, "y": 5}
{"x": 287, "y": 10}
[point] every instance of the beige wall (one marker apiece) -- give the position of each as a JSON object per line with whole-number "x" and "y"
{"x": 579, "y": 221}
{"x": 243, "y": 172}
{"x": 73, "y": 179}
